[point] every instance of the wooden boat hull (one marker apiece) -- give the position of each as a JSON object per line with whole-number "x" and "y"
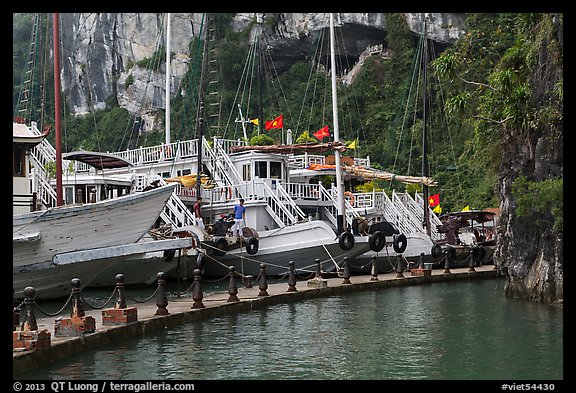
{"x": 73, "y": 228}
{"x": 302, "y": 243}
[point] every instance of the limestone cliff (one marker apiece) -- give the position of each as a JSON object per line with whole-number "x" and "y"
{"x": 530, "y": 249}
{"x": 101, "y": 49}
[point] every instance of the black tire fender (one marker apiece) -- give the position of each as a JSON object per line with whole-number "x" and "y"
{"x": 220, "y": 247}
{"x": 436, "y": 251}
{"x": 252, "y": 246}
{"x": 377, "y": 241}
{"x": 400, "y": 243}
{"x": 168, "y": 255}
{"x": 346, "y": 241}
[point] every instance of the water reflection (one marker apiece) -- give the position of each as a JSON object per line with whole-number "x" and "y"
{"x": 447, "y": 331}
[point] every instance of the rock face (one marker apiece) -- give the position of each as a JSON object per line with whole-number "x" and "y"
{"x": 529, "y": 252}
{"x": 100, "y": 50}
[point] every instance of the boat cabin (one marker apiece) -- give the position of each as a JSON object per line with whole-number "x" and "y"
{"x": 24, "y": 200}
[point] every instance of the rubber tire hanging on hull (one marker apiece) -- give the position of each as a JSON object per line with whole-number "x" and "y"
{"x": 400, "y": 243}
{"x": 220, "y": 247}
{"x": 252, "y": 246}
{"x": 436, "y": 251}
{"x": 168, "y": 255}
{"x": 377, "y": 241}
{"x": 346, "y": 241}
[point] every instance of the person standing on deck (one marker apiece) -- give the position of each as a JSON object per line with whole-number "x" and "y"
{"x": 198, "y": 213}
{"x": 239, "y": 218}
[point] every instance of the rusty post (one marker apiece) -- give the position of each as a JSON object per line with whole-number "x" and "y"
{"x": 447, "y": 257}
{"x": 346, "y": 274}
{"x": 421, "y": 261}
{"x": 291, "y": 278}
{"x": 374, "y": 275}
{"x": 472, "y": 260}
{"x": 121, "y": 300}
{"x": 29, "y": 318}
{"x": 318, "y": 270}
{"x": 263, "y": 281}
{"x": 161, "y": 299}
{"x": 399, "y": 267}
{"x": 232, "y": 289}
{"x": 77, "y": 307}
{"x": 197, "y": 294}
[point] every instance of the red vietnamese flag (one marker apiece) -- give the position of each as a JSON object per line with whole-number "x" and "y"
{"x": 434, "y": 200}
{"x": 322, "y": 133}
{"x": 276, "y": 123}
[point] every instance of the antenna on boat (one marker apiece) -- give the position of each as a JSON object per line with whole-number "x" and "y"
{"x": 201, "y": 109}
{"x": 339, "y": 185}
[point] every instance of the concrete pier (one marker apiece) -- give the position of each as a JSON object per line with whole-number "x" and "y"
{"x": 182, "y": 310}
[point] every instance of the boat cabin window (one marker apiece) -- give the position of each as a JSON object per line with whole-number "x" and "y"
{"x": 261, "y": 169}
{"x": 246, "y": 172}
{"x": 275, "y": 170}
{"x": 19, "y": 156}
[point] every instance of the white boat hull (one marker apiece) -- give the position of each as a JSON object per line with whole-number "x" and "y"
{"x": 74, "y": 228}
{"x": 302, "y": 243}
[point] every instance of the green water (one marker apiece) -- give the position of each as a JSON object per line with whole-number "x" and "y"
{"x": 444, "y": 331}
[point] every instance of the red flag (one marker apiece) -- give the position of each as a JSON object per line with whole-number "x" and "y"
{"x": 276, "y": 123}
{"x": 434, "y": 200}
{"x": 322, "y": 133}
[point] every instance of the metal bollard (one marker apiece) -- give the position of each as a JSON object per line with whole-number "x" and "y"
{"x": 374, "y": 276}
{"x": 399, "y": 267}
{"x": 29, "y": 318}
{"x": 248, "y": 281}
{"x": 318, "y": 272}
{"x": 77, "y": 307}
{"x": 346, "y": 274}
{"x": 263, "y": 282}
{"x": 161, "y": 299}
{"x": 291, "y": 278}
{"x": 447, "y": 256}
{"x": 472, "y": 260}
{"x": 197, "y": 294}
{"x": 421, "y": 261}
{"x": 232, "y": 289}
{"x": 121, "y": 300}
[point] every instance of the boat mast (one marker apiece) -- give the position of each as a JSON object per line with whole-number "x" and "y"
{"x": 425, "y": 171}
{"x": 260, "y": 73}
{"x": 201, "y": 107}
{"x": 59, "y": 199}
{"x": 339, "y": 185}
{"x": 168, "y": 33}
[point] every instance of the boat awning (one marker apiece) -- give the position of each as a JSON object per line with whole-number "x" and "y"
{"x": 21, "y": 134}
{"x": 98, "y": 160}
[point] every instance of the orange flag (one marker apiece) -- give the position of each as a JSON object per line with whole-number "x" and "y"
{"x": 322, "y": 133}
{"x": 434, "y": 200}
{"x": 276, "y": 123}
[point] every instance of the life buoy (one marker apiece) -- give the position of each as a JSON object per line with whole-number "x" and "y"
{"x": 436, "y": 251}
{"x": 227, "y": 192}
{"x": 346, "y": 241}
{"x": 377, "y": 241}
{"x": 400, "y": 243}
{"x": 350, "y": 196}
{"x": 252, "y": 246}
{"x": 220, "y": 247}
{"x": 168, "y": 255}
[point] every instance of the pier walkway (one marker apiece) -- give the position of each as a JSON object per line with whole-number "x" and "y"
{"x": 182, "y": 309}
